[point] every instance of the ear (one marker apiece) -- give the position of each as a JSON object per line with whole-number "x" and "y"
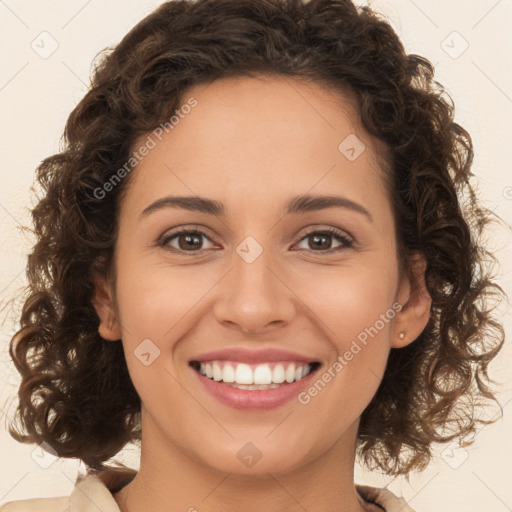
{"x": 412, "y": 319}
{"x": 103, "y": 303}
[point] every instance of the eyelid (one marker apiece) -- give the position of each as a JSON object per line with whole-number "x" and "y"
{"x": 315, "y": 228}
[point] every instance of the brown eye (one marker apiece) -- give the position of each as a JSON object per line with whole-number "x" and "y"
{"x": 187, "y": 241}
{"x": 321, "y": 241}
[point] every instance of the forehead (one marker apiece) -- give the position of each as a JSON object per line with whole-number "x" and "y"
{"x": 244, "y": 133}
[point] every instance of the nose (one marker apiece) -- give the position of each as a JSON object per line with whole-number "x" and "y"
{"x": 253, "y": 297}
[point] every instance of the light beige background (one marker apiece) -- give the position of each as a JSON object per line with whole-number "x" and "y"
{"x": 37, "y": 94}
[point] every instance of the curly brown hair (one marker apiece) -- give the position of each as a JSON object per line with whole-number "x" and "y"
{"x": 76, "y": 393}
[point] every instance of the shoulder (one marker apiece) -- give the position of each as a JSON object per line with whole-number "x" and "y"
{"x": 384, "y": 498}
{"x": 37, "y": 505}
{"x": 92, "y": 492}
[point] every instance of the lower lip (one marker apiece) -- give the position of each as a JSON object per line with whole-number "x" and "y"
{"x": 255, "y": 399}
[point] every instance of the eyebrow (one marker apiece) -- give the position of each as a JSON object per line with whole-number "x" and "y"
{"x": 296, "y": 205}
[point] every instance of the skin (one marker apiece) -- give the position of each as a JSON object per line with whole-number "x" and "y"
{"x": 253, "y": 143}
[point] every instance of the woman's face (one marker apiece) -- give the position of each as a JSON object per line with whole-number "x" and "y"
{"x": 255, "y": 279}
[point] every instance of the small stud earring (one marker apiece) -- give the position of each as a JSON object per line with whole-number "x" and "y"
{"x": 402, "y": 335}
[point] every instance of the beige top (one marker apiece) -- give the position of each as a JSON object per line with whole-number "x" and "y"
{"x": 93, "y": 492}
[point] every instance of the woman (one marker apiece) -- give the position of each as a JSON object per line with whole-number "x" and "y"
{"x": 253, "y": 257}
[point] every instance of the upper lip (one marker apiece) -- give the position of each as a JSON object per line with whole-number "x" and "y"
{"x": 243, "y": 355}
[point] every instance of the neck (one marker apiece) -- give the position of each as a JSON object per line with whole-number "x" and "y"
{"x": 170, "y": 477}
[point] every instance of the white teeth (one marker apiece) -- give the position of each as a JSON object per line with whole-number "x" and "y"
{"x": 254, "y": 387}
{"x": 262, "y": 374}
{"x": 217, "y": 372}
{"x": 290, "y": 373}
{"x": 243, "y": 376}
{"x": 278, "y": 374}
{"x": 228, "y": 373}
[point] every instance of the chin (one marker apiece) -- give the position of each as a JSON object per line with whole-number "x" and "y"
{"x": 248, "y": 459}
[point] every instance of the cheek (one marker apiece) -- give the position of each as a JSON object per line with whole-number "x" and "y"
{"x": 154, "y": 299}
{"x": 353, "y": 307}
{"x": 164, "y": 305}
{"x": 154, "y": 302}
{"x": 349, "y": 299}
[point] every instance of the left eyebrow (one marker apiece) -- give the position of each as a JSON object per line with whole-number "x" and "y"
{"x": 308, "y": 203}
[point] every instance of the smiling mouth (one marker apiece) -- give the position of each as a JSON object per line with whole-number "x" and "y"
{"x": 254, "y": 376}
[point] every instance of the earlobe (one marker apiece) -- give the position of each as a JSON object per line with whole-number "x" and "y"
{"x": 104, "y": 305}
{"x": 416, "y": 303}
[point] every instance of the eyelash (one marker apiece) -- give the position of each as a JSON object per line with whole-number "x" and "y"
{"x": 340, "y": 235}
